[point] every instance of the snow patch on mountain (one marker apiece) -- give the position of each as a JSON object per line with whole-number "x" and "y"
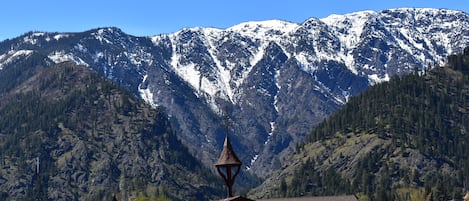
{"x": 375, "y": 78}
{"x": 33, "y": 38}
{"x": 271, "y": 133}
{"x": 187, "y": 72}
{"x": 305, "y": 61}
{"x": 277, "y": 84}
{"x": 81, "y": 48}
{"x": 62, "y": 56}
{"x": 191, "y": 74}
{"x": 101, "y": 35}
{"x": 12, "y": 55}
{"x": 264, "y": 30}
{"x": 139, "y": 58}
{"x": 349, "y": 27}
{"x": 146, "y": 93}
{"x": 225, "y": 90}
{"x": 60, "y": 36}
{"x": 257, "y": 56}
{"x": 253, "y": 160}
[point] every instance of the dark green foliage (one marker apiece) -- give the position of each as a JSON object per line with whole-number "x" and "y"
{"x": 460, "y": 62}
{"x": 20, "y": 70}
{"x": 310, "y": 181}
{"x": 428, "y": 113}
{"x": 92, "y": 138}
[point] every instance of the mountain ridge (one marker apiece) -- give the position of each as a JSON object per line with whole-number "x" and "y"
{"x": 197, "y": 72}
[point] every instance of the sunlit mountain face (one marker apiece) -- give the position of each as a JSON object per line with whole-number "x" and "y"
{"x": 275, "y": 79}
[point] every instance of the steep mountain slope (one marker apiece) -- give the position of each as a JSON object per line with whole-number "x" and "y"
{"x": 67, "y": 133}
{"x": 278, "y": 79}
{"x": 401, "y": 140}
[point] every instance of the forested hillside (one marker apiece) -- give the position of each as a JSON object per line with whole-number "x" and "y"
{"x": 406, "y": 139}
{"x": 69, "y": 134}
{"x": 254, "y": 68}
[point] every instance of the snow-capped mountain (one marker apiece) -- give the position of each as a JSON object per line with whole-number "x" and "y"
{"x": 276, "y": 79}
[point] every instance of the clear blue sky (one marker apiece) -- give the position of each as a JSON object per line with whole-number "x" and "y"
{"x": 152, "y": 17}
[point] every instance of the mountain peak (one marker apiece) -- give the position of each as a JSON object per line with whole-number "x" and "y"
{"x": 102, "y": 30}
{"x": 262, "y": 28}
{"x": 333, "y": 19}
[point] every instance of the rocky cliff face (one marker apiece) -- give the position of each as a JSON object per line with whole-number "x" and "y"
{"x": 277, "y": 79}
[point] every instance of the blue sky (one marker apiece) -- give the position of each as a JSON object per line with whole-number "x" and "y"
{"x": 152, "y": 17}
